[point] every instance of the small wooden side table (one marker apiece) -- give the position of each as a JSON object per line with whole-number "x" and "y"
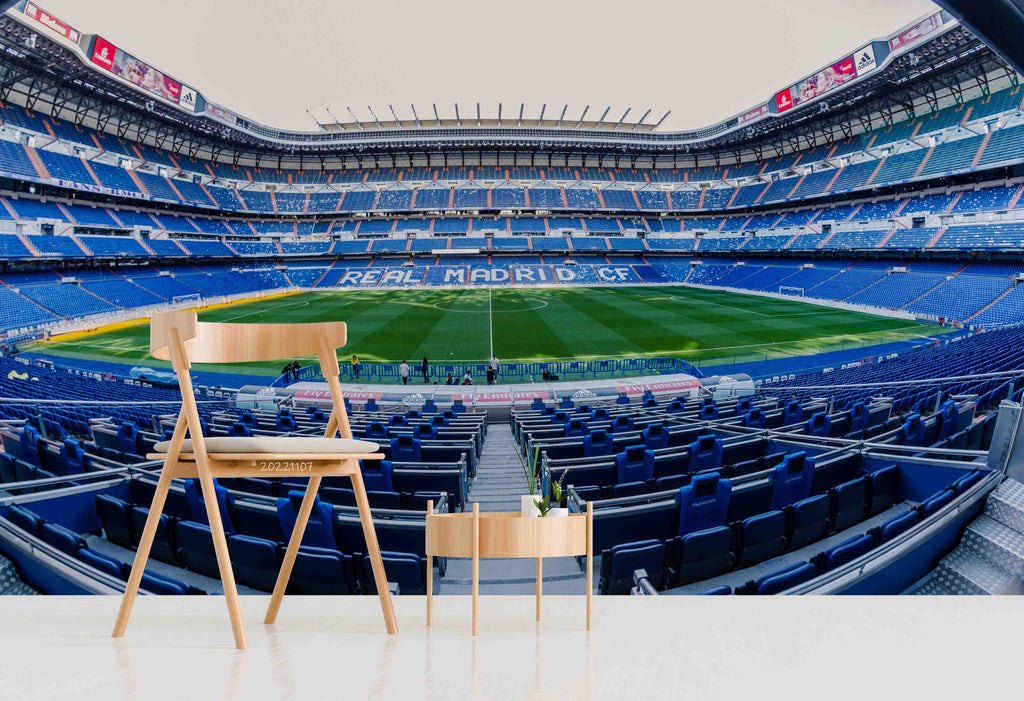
{"x": 508, "y": 535}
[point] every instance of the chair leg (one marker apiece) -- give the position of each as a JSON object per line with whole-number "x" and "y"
{"x": 301, "y": 519}
{"x": 142, "y": 553}
{"x": 220, "y": 546}
{"x": 373, "y": 550}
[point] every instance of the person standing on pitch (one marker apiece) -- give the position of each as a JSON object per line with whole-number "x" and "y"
{"x": 425, "y": 368}
{"x": 403, "y": 370}
{"x": 494, "y": 365}
{"x": 355, "y": 366}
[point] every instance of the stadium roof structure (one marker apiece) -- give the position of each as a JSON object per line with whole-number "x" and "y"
{"x": 50, "y": 66}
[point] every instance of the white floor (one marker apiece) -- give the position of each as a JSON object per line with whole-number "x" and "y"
{"x": 641, "y": 648}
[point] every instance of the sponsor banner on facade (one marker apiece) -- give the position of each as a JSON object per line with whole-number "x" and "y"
{"x": 138, "y": 73}
{"x": 221, "y": 113}
{"x": 822, "y": 82}
{"x": 88, "y": 187}
{"x": 784, "y": 100}
{"x": 925, "y": 26}
{"x": 690, "y": 385}
{"x": 753, "y": 114}
{"x": 864, "y": 60}
{"x": 52, "y": 23}
{"x": 189, "y": 99}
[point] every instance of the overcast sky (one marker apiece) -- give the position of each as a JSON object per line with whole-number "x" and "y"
{"x": 704, "y": 60}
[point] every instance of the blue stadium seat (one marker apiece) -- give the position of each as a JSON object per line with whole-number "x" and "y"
{"x": 319, "y": 531}
{"x": 164, "y": 548}
{"x": 127, "y": 436}
{"x": 913, "y": 430}
{"x": 425, "y": 432}
{"x": 784, "y": 579}
{"x": 967, "y": 481}
{"x": 576, "y": 427}
{"x": 197, "y": 504}
{"x": 72, "y": 457}
{"x": 859, "y": 417}
{"x": 655, "y": 436}
{"x": 792, "y": 413}
{"x": 597, "y": 442}
{"x": 104, "y": 563}
{"x": 64, "y": 539}
{"x": 116, "y": 520}
{"x": 619, "y": 562}
{"x": 883, "y": 488}
{"x": 405, "y": 449}
{"x": 755, "y": 418}
{"x": 809, "y": 520}
{"x": 635, "y": 464}
{"x": 379, "y": 477}
{"x": 935, "y": 502}
{"x": 321, "y": 571}
{"x": 847, "y": 551}
{"x": 704, "y": 554}
{"x": 949, "y": 416}
{"x": 704, "y": 503}
{"x": 723, "y": 590}
{"x": 239, "y": 428}
{"x": 29, "y": 440}
{"x": 375, "y": 431}
{"x": 158, "y": 584}
{"x": 405, "y": 569}
{"x": 7, "y": 472}
{"x": 195, "y": 548}
{"x": 848, "y": 503}
{"x": 705, "y": 453}
{"x": 622, "y": 424}
{"x": 708, "y": 412}
{"x": 793, "y": 478}
{"x": 24, "y": 519}
{"x": 761, "y": 537}
{"x": 255, "y": 561}
{"x": 820, "y": 424}
{"x": 897, "y": 525}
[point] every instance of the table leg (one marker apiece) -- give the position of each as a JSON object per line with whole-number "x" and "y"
{"x": 430, "y": 572}
{"x": 476, "y": 569}
{"x": 590, "y": 564}
{"x": 540, "y": 584}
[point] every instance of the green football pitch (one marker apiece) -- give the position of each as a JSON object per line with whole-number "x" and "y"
{"x": 703, "y": 326}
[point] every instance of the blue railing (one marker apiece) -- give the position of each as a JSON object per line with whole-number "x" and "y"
{"x": 510, "y": 372}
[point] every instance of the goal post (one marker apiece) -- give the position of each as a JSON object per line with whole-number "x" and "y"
{"x": 795, "y": 291}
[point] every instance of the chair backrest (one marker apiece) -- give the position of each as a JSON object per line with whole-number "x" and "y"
{"x": 213, "y": 342}
{"x": 181, "y": 338}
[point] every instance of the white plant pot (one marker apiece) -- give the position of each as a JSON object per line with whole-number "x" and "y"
{"x": 528, "y": 507}
{"x": 560, "y": 512}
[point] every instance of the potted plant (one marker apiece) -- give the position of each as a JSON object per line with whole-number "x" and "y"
{"x": 527, "y": 502}
{"x": 531, "y": 505}
{"x": 551, "y": 506}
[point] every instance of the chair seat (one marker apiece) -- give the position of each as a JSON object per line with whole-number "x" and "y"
{"x": 276, "y": 445}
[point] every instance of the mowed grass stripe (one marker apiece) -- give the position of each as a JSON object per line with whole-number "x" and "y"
{"x": 684, "y": 326}
{"x": 531, "y": 333}
{"x": 531, "y": 324}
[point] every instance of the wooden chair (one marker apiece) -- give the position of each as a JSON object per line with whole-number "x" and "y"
{"x": 182, "y": 339}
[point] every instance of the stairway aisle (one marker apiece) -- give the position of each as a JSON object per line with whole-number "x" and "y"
{"x": 499, "y": 477}
{"x": 990, "y": 557}
{"x": 498, "y": 485}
